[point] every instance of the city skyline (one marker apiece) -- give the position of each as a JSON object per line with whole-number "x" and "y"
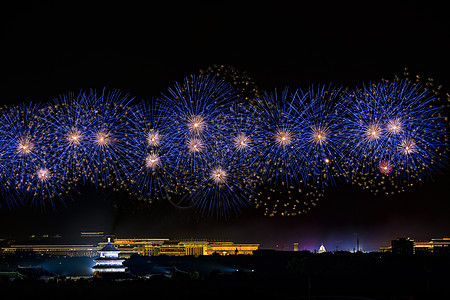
{"x": 91, "y": 242}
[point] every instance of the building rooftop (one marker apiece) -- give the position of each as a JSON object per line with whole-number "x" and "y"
{"x": 108, "y": 259}
{"x": 109, "y": 247}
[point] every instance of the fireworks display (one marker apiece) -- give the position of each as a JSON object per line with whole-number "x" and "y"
{"x": 397, "y": 135}
{"x": 301, "y": 133}
{"x": 222, "y": 147}
{"x": 150, "y": 158}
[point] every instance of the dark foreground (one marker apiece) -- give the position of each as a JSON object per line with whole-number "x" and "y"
{"x": 281, "y": 275}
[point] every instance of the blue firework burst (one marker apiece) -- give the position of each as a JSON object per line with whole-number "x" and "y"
{"x": 106, "y": 141}
{"x": 316, "y": 115}
{"x": 195, "y": 107}
{"x": 225, "y": 187}
{"x": 7, "y": 186}
{"x": 27, "y": 146}
{"x": 200, "y": 144}
{"x": 243, "y": 138}
{"x": 25, "y": 140}
{"x": 72, "y": 123}
{"x": 149, "y": 163}
{"x": 293, "y": 163}
{"x": 280, "y": 141}
{"x": 46, "y": 185}
{"x": 396, "y": 133}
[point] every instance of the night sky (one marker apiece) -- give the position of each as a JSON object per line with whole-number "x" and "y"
{"x": 50, "y": 49}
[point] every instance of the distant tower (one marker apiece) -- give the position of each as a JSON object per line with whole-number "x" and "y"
{"x": 295, "y": 246}
{"x": 357, "y": 244}
{"x": 109, "y": 260}
{"x": 322, "y": 249}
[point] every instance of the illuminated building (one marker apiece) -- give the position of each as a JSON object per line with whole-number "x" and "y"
{"x": 92, "y": 237}
{"x": 322, "y": 249}
{"x": 431, "y": 246}
{"x": 295, "y": 246}
{"x": 386, "y": 249}
{"x": 155, "y": 247}
{"x": 143, "y": 247}
{"x": 230, "y": 248}
{"x": 195, "y": 248}
{"x": 88, "y": 234}
{"x": 57, "y": 250}
{"x": 109, "y": 260}
{"x": 172, "y": 248}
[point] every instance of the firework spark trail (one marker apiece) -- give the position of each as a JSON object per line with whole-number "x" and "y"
{"x": 107, "y": 142}
{"x": 224, "y": 188}
{"x": 396, "y": 132}
{"x": 203, "y": 145}
{"x": 28, "y": 148}
{"x": 279, "y": 139}
{"x": 302, "y": 148}
{"x": 317, "y": 110}
{"x": 195, "y": 109}
{"x": 149, "y": 160}
{"x": 72, "y": 123}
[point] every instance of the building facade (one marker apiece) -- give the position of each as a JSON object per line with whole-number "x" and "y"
{"x": 54, "y": 250}
{"x": 108, "y": 260}
{"x": 155, "y": 247}
{"x": 230, "y": 248}
{"x": 432, "y": 246}
{"x": 143, "y": 247}
{"x": 409, "y": 246}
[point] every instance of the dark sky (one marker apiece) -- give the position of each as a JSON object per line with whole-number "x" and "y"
{"x": 49, "y": 49}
